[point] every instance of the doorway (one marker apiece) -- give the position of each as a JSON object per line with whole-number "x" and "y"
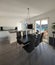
{"x": 41, "y": 26}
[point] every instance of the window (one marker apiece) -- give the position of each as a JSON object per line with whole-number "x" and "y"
{"x": 41, "y": 25}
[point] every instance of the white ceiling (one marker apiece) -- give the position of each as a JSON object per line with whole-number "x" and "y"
{"x": 18, "y": 8}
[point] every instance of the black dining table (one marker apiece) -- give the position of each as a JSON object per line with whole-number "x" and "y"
{"x": 24, "y": 40}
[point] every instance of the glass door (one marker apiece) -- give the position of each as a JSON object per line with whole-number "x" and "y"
{"x": 41, "y": 26}
{"x": 37, "y": 26}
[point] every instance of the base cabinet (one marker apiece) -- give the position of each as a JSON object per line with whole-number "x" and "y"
{"x": 52, "y": 41}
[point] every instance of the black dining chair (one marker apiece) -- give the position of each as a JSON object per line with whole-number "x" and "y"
{"x": 41, "y": 37}
{"x": 29, "y": 47}
{"x": 19, "y": 37}
{"x": 37, "y": 40}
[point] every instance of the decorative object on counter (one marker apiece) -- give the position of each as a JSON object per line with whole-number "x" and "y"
{"x": 1, "y": 28}
{"x": 15, "y": 28}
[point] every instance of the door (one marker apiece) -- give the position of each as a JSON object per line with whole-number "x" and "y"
{"x": 41, "y": 26}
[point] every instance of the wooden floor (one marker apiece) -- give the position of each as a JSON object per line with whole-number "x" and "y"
{"x": 12, "y": 54}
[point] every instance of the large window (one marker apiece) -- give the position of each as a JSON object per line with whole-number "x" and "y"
{"x": 44, "y": 25}
{"x": 38, "y": 25}
{"x": 41, "y": 25}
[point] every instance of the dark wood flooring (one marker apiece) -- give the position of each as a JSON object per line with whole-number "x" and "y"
{"x": 14, "y": 54}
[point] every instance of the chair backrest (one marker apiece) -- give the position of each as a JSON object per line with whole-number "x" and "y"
{"x": 24, "y": 34}
{"x": 19, "y": 34}
{"x": 19, "y": 37}
{"x": 37, "y": 41}
{"x": 41, "y": 37}
{"x": 29, "y": 47}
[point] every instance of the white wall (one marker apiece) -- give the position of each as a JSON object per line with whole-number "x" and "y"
{"x": 51, "y": 18}
{"x": 8, "y": 21}
{"x": 22, "y": 26}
